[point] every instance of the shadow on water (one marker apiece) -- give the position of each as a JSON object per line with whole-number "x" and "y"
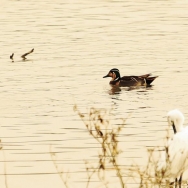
{"x": 115, "y": 90}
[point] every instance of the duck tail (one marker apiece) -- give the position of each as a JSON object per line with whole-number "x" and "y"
{"x": 145, "y": 75}
{"x": 149, "y": 80}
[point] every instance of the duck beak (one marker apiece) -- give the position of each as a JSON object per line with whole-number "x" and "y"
{"x": 106, "y": 76}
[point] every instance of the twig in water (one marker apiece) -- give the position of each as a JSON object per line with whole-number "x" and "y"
{"x": 98, "y": 126}
{"x": 11, "y": 57}
{"x": 24, "y": 55}
{"x": 5, "y": 169}
{"x": 52, "y": 154}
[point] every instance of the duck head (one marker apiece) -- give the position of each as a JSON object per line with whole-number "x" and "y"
{"x": 114, "y": 73}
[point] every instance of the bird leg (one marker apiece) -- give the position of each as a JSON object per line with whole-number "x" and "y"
{"x": 176, "y": 182}
{"x": 180, "y": 180}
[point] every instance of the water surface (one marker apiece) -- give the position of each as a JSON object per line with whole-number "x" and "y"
{"x": 76, "y": 43}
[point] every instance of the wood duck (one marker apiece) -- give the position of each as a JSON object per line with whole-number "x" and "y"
{"x": 127, "y": 81}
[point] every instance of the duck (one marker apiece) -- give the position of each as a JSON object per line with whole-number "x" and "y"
{"x": 128, "y": 81}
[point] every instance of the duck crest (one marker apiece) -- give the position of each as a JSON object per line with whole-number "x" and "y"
{"x": 127, "y": 81}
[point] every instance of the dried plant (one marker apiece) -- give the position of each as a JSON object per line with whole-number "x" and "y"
{"x": 5, "y": 166}
{"x": 149, "y": 176}
{"x": 98, "y": 125}
{"x": 157, "y": 171}
{"x": 63, "y": 175}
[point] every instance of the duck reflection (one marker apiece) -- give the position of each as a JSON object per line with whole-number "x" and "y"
{"x": 115, "y": 90}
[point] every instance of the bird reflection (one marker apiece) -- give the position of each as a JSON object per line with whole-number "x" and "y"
{"x": 114, "y": 90}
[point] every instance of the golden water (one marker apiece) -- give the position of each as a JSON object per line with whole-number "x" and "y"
{"x": 76, "y": 43}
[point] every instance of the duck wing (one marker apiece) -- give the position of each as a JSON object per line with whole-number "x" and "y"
{"x": 139, "y": 79}
{"x": 127, "y": 78}
{"x": 145, "y": 75}
{"x": 132, "y": 78}
{"x": 132, "y": 81}
{"x": 148, "y": 78}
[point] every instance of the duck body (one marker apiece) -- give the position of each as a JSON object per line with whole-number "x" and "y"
{"x": 128, "y": 81}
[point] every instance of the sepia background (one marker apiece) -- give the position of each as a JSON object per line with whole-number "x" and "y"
{"x": 76, "y": 43}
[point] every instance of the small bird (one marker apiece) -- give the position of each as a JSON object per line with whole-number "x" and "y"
{"x": 174, "y": 160}
{"x": 24, "y": 55}
{"x": 127, "y": 81}
{"x": 11, "y": 57}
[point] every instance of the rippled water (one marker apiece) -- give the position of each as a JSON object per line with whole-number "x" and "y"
{"x": 76, "y": 43}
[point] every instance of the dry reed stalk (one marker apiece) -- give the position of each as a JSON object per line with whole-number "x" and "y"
{"x": 98, "y": 127}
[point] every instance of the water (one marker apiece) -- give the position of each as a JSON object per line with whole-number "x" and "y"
{"x": 76, "y": 43}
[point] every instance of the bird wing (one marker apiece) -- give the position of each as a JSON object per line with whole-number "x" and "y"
{"x": 130, "y": 78}
{"x": 145, "y": 75}
{"x": 161, "y": 164}
{"x": 173, "y": 161}
{"x": 178, "y": 153}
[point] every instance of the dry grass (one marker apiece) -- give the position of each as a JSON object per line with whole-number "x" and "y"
{"x": 97, "y": 123}
{"x": 5, "y": 165}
